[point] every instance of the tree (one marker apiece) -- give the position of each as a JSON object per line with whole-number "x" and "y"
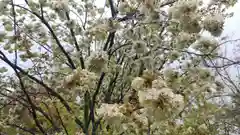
{"x": 144, "y": 70}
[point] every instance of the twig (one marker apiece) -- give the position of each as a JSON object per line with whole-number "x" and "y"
{"x": 52, "y": 33}
{"x": 75, "y": 42}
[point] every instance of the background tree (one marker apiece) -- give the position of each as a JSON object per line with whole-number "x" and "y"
{"x": 142, "y": 70}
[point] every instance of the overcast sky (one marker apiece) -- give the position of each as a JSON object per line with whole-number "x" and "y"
{"x": 232, "y": 30}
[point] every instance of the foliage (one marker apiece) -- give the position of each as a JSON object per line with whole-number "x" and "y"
{"x": 141, "y": 71}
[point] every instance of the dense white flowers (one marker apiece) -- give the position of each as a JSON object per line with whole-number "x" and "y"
{"x": 158, "y": 83}
{"x": 140, "y": 117}
{"x": 159, "y": 98}
{"x": 138, "y": 83}
{"x": 3, "y": 6}
{"x": 184, "y": 39}
{"x": 183, "y": 7}
{"x": 177, "y": 101}
{"x": 139, "y": 47}
{"x": 206, "y": 44}
{"x": 185, "y": 12}
{"x": 97, "y": 62}
{"x": 111, "y": 113}
{"x": 149, "y": 74}
{"x": 42, "y": 1}
{"x": 214, "y": 24}
{"x": 202, "y": 128}
{"x": 70, "y": 24}
{"x": 82, "y": 80}
{"x": 59, "y": 4}
{"x": 123, "y": 7}
{"x": 149, "y": 97}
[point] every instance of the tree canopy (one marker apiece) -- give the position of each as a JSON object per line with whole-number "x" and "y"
{"x": 132, "y": 67}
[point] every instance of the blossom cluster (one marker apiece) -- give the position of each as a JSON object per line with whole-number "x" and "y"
{"x": 111, "y": 112}
{"x": 157, "y": 102}
{"x": 206, "y": 44}
{"x": 214, "y": 24}
{"x": 184, "y": 40}
{"x": 59, "y": 4}
{"x": 97, "y": 62}
{"x": 80, "y": 79}
{"x": 160, "y": 98}
{"x": 186, "y": 13}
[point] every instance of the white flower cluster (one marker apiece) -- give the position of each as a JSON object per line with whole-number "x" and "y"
{"x": 138, "y": 83}
{"x": 139, "y": 47}
{"x": 185, "y": 12}
{"x": 59, "y": 4}
{"x": 3, "y": 6}
{"x": 42, "y": 1}
{"x": 173, "y": 55}
{"x": 159, "y": 83}
{"x": 123, "y": 117}
{"x": 206, "y": 44}
{"x": 202, "y": 128}
{"x": 185, "y": 39}
{"x": 70, "y": 24}
{"x": 159, "y": 98}
{"x": 123, "y": 7}
{"x": 183, "y": 7}
{"x": 82, "y": 79}
{"x": 214, "y": 24}
{"x": 170, "y": 75}
{"x": 140, "y": 117}
{"x": 111, "y": 113}
{"x": 97, "y": 62}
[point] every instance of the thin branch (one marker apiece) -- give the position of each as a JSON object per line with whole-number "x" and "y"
{"x": 22, "y": 128}
{"x": 169, "y": 2}
{"x": 41, "y": 8}
{"x": 26, "y": 2}
{"x": 52, "y": 33}
{"x": 58, "y": 113}
{"x": 85, "y": 18}
{"x": 15, "y": 29}
{"x": 34, "y": 114}
{"x": 113, "y": 11}
{"x": 48, "y": 89}
{"x": 75, "y": 42}
{"x": 92, "y": 106}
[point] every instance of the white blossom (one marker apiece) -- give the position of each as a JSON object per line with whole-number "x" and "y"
{"x": 151, "y": 97}
{"x": 3, "y": 6}
{"x": 111, "y": 113}
{"x": 178, "y": 101}
{"x": 139, "y": 47}
{"x": 138, "y": 83}
{"x": 206, "y": 44}
{"x": 202, "y": 127}
{"x": 214, "y": 24}
{"x": 184, "y": 39}
{"x": 70, "y": 24}
{"x": 79, "y": 100}
{"x": 59, "y": 4}
{"x": 123, "y": 7}
{"x": 159, "y": 83}
{"x": 140, "y": 117}
{"x": 97, "y": 62}
{"x": 183, "y": 7}
{"x": 43, "y": 1}
{"x": 80, "y": 80}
